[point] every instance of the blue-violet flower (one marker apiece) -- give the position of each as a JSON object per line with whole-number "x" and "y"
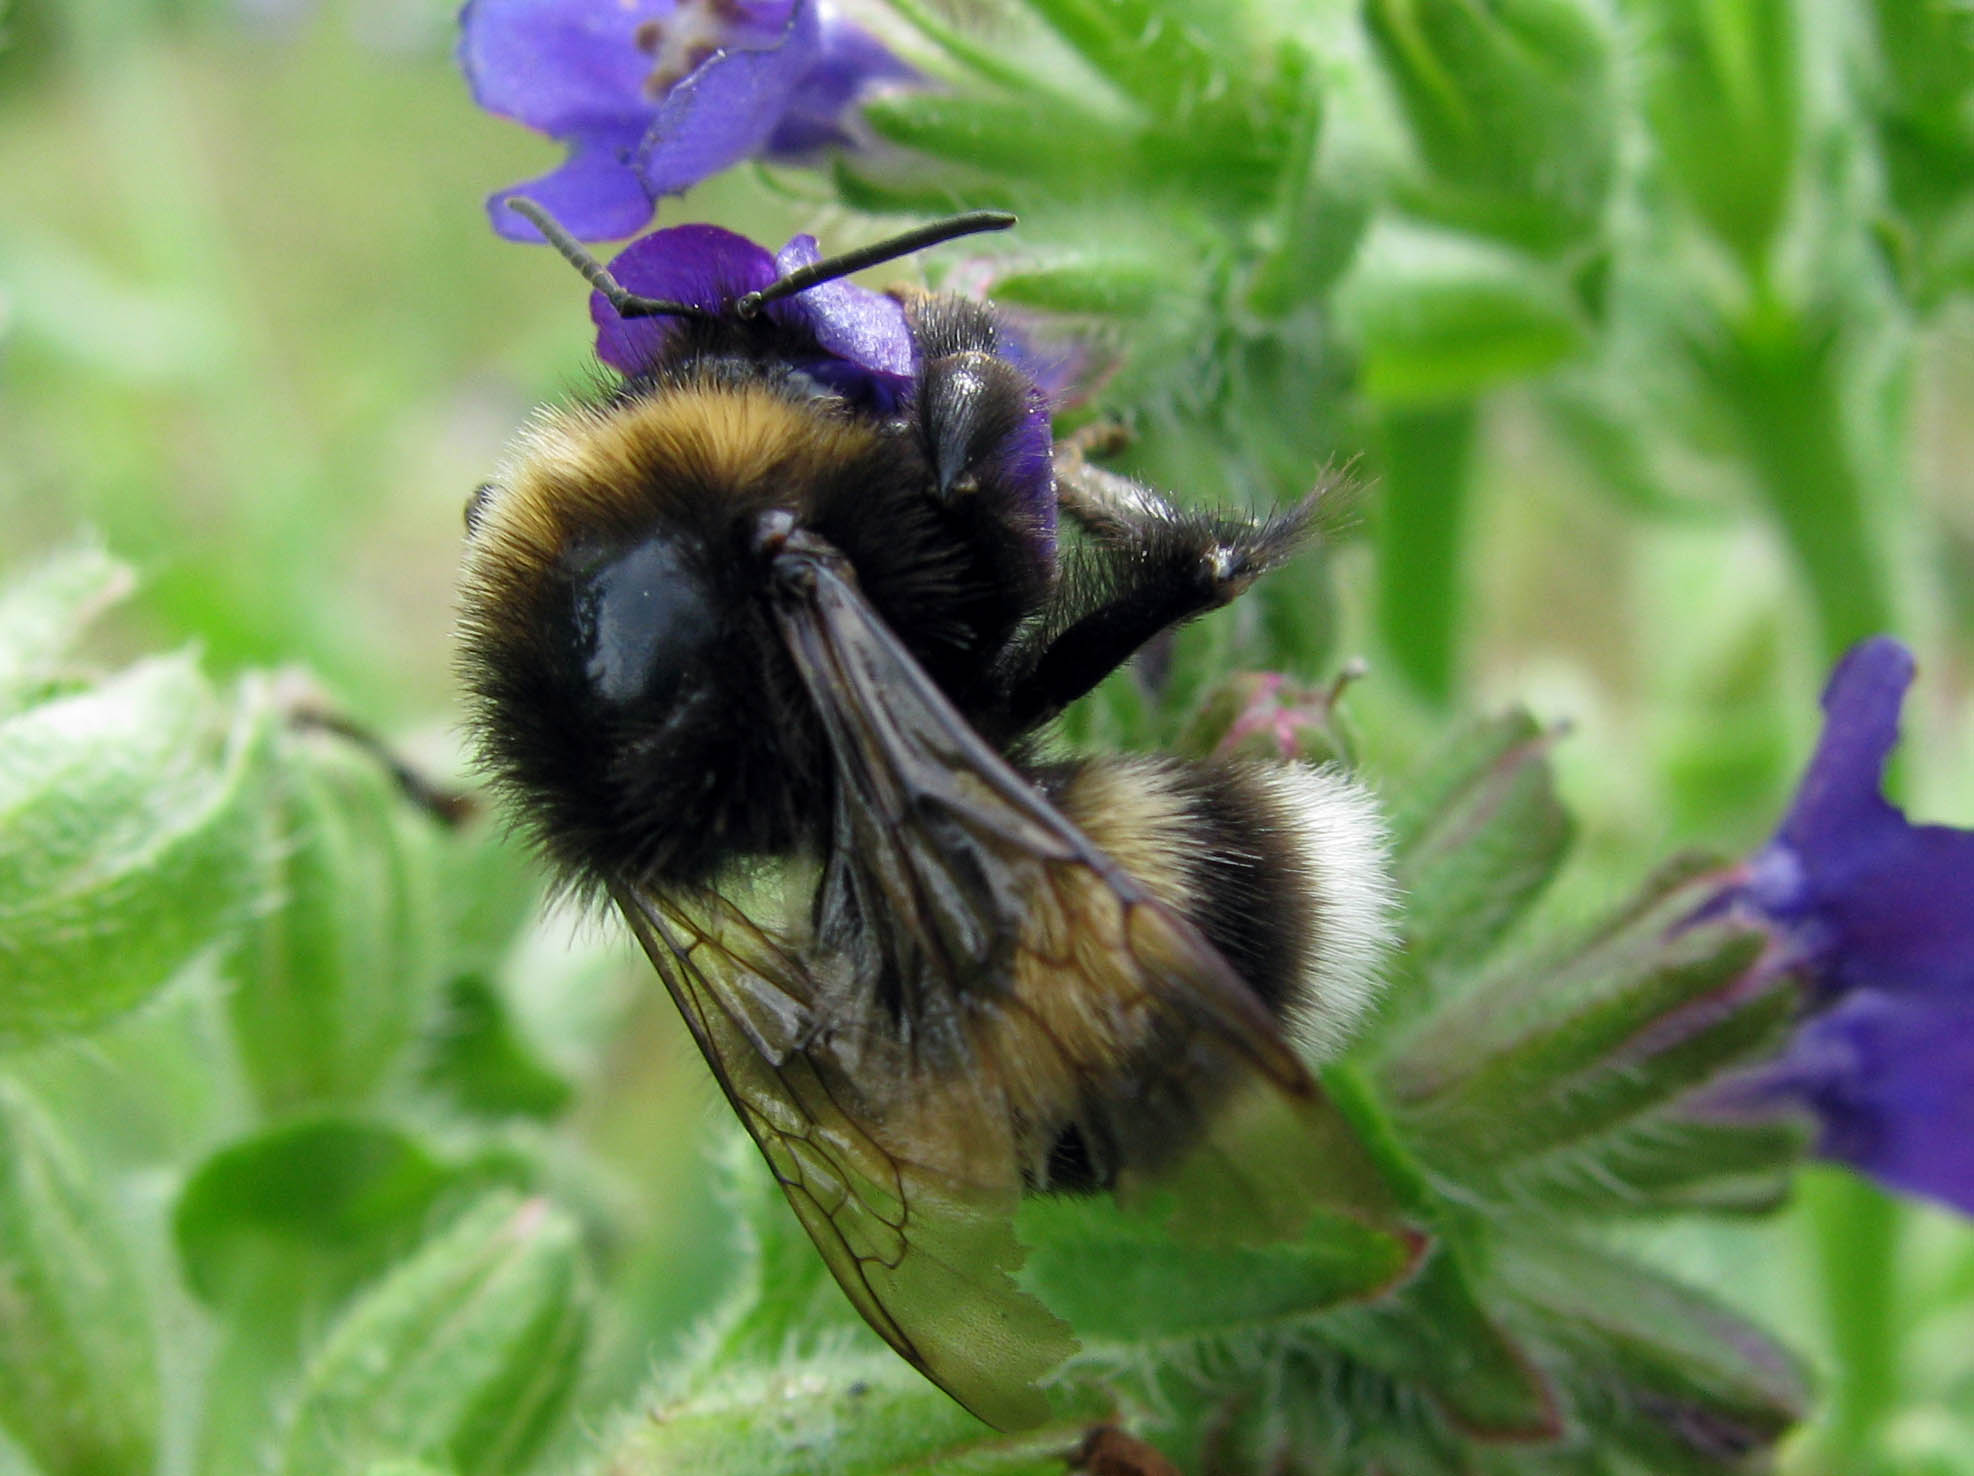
{"x": 1879, "y": 914}
{"x": 859, "y": 346}
{"x": 652, "y": 96}
{"x": 863, "y": 350}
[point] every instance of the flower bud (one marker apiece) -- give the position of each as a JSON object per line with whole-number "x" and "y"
{"x": 135, "y": 837}
{"x": 1265, "y": 715}
{"x": 463, "y": 1355}
{"x": 1722, "y": 98}
{"x": 78, "y": 1369}
{"x": 1510, "y": 106}
{"x": 335, "y": 979}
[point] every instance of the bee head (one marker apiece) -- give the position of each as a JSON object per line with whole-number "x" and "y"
{"x": 627, "y": 687}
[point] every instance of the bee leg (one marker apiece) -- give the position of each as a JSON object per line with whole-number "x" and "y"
{"x": 1152, "y": 566}
{"x": 1230, "y": 553}
{"x": 1097, "y": 440}
{"x": 449, "y": 807}
{"x": 1108, "y": 505}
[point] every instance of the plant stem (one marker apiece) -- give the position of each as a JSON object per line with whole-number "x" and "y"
{"x": 1783, "y": 375}
{"x": 1421, "y": 507}
{"x": 1855, "y": 1228}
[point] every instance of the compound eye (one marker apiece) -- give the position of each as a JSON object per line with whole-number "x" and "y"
{"x": 476, "y": 506}
{"x": 643, "y": 624}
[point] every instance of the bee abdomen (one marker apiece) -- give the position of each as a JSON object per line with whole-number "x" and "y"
{"x": 1280, "y": 867}
{"x": 1283, "y": 867}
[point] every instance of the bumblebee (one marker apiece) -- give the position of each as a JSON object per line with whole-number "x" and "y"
{"x": 762, "y": 643}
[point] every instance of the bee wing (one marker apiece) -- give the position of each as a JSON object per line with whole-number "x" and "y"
{"x": 878, "y": 1065}
{"x": 965, "y": 861}
{"x": 925, "y": 1254}
{"x": 973, "y": 878}
{"x": 1220, "y": 1130}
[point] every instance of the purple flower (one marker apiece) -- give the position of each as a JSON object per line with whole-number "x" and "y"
{"x": 863, "y": 350}
{"x": 1891, "y": 1083}
{"x": 1879, "y": 913}
{"x": 652, "y": 96}
{"x": 848, "y": 339}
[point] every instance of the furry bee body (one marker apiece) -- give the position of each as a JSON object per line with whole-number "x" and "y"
{"x": 756, "y": 608}
{"x": 682, "y": 471}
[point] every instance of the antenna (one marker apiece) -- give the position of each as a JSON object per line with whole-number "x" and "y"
{"x": 969, "y": 223}
{"x": 627, "y": 303}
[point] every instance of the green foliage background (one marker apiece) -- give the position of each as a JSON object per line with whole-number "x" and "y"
{"x": 256, "y": 339}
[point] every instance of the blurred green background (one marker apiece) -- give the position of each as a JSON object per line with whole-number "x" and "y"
{"x": 257, "y": 339}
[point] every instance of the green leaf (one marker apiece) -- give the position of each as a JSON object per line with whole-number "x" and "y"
{"x": 42, "y": 611}
{"x": 78, "y": 1362}
{"x": 1190, "y": 1274}
{"x": 1685, "y": 1384}
{"x": 1673, "y": 1161}
{"x": 481, "y": 1061}
{"x": 323, "y": 1193}
{"x": 1436, "y": 1336}
{"x": 1476, "y": 836}
{"x": 1440, "y": 317}
{"x": 1594, "y": 1063}
{"x": 1421, "y": 529}
{"x": 1722, "y": 97}
{"x": 1154, "y": 52}
{"x": 862, "y": 1412}
{"x": 1526, "y": 1078}
{"x": 464, "y": 1354}
{"x": 1111, "y": 286}
{"x": 934, "y": 190}
{"x": 1022, "y": 138}
{"x": 334, "y": 981}
{"x": 132, "y": 835}
{"x": 1436, "y": 1333}
{"x": 1126, "y": 1282}
{"x": 275, "y": 1230}
{"x": 1321, "y": 209}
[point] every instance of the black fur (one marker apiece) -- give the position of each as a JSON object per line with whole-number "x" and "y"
{"x": 723, "y": 759}
{"x": 1257, "y": 899}
{"x": 716, "y": 756}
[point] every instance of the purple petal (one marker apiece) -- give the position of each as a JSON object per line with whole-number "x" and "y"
{"x": 1892, "y": 1082}
{"x": 726, "y": 110}
{"x": 1878, "y": 903}
{"x": 557, "y": 65}
{"x": 699, "y": 265}
{"x": 1900, "y": 914}
{"x": 596, "y": 195}
{"x": 1839, "y": 794}
{"x": 851, "y": 322}
{"x": 1057, "y": 361}
{"x": 851, "y": 59}
{"x": 702, "y": 84}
